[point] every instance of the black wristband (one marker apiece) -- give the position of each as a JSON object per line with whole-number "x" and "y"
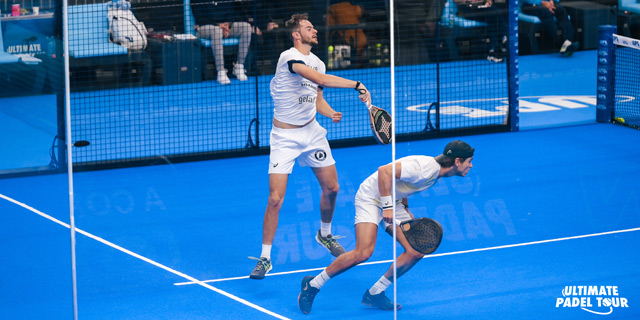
{"x": 360, "y": 91}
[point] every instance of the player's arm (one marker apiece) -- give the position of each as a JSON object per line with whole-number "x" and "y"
{"x": 325, "y": 109}
{"x": 405, "y": 203}
{"x": 385, "y": 180}
{"x": 330, "y": 81}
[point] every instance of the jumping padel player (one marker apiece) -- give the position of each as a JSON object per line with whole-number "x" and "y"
{"x": 296, "y": 89}
{"x": 374, "y": 204}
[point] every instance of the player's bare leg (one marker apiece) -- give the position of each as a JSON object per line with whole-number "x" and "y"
{"x": 328, "y": 179}
{"x": 366, "y": 234}
{"x": 375, "y": 296}
{"x": 405, "y": 260}
{"x": 277, "y": 190}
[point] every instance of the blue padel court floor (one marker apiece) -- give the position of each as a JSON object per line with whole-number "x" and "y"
{"x": 546, "y": 225}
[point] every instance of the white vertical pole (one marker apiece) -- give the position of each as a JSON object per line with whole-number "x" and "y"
{"x": 393, "y": 150}
{"x": 69, "y": 145}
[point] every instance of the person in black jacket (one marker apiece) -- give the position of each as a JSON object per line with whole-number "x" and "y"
{"x": 554, "y": 18}
{"x": 217, "y": 20}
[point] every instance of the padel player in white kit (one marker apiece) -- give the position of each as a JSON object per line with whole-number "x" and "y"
{"x": 374, "y": 204}
{"x": 297, "y": 89}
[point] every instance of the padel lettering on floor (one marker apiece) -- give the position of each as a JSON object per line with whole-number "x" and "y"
{"x": 481, "y": 108}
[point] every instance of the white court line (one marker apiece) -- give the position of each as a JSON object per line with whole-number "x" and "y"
{"x": 133, "y": 254}
{"x": 437, "y": 255}
{"x": 276, "y": 273}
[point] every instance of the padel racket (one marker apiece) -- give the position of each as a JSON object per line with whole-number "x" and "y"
{"x": 423, "y": 234}
{"x": 380, "y": 123}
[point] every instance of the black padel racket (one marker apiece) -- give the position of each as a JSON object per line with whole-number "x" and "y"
{"x": 380, "y": 123}
{"x": 423, "y": 234}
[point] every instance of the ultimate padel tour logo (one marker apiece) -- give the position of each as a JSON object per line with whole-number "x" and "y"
{"x": 595, "y": 299}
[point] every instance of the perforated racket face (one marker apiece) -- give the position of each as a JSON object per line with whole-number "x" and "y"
{"x": 381, "y": 125}
{"x": 423, "y": 234}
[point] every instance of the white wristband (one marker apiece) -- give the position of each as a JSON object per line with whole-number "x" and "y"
{"x": 387, "y": 202}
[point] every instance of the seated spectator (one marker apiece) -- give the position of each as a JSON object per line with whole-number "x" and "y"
{"x": 270, "y": 19}
{"x": 343, "y": 13}
{"x": 219, "y": 20}
{"x": 495, "y": 19}
{"x": 554, "y": 18}
{"x": 415, "y": 23}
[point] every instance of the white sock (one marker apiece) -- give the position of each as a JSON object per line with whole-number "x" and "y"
{"x": 266, "y": 251}
{"x": 565, "y": 45}
{"x": 380, "y": 286}
{"x": 325, "y": 229}
{"x": 320, "y": 280}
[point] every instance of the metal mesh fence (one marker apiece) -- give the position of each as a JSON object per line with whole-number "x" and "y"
{"x": 171, "y": 79}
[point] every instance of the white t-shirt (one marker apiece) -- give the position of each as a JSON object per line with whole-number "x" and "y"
{"x": 294, "y": 97}
{"x": 417, "y": 173}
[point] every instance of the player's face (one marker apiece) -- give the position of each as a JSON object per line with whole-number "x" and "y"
{"x": 308, "y": 34}
{"x": 463, "y": 166}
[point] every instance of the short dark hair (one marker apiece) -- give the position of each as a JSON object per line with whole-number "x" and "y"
{"x": 294, "y": 23}
{"x": 446, "y": 162}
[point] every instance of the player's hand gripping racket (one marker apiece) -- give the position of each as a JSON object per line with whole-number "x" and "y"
{"x": 380, "y": 123}
{"x": 423, "y": 234}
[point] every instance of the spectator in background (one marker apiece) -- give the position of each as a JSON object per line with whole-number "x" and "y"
{"x": 495, "y": 19}
{"x": 341, "y": 13}
{"x": 422, "y": 15}
{"x": 416, "y": 22}
{"x": 554, "y": 18}
{"x": 270, "y": 18}
{"x": 219, "y": 20}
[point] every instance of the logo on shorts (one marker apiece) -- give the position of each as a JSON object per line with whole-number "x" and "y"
{"x": 320, "y": 155}
{"x": 274, "y": 164}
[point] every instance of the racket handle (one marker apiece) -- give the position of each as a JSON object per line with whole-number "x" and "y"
{"x": 368, "y": 103}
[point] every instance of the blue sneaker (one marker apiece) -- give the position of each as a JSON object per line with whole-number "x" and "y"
{"x": 307, "y": 294}
{"x": 379, "y": 301}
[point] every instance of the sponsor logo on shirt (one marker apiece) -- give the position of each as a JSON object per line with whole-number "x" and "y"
{"x": 306, "y": 99}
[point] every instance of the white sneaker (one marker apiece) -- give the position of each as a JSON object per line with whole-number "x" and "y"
{"x": 222, "y": 77}
{"x": 565, "y": 45}
{"x": 568, "y": 48}
{"x": 238, "y": 71}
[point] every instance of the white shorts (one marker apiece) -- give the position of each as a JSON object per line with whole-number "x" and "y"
{"x": 307, "y": 144}
{"x": 369, "y": 211}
